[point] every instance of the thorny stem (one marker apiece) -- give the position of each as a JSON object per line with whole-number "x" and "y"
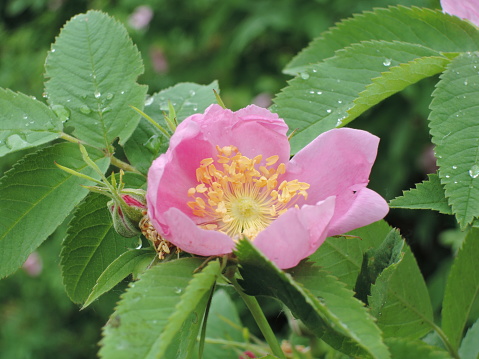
{"x": 260, "y": 319}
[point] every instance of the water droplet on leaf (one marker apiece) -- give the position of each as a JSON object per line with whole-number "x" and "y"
{"x": 304, "y": 75}
{"x": 62, "y": 112}
{"x": 15, "y": 141}
{"x": 109, "y": 96}
{"x": 387, "y": 62}
{"x": 149, "y": 101}
{"x": 474, "y": 171}
{"x": 85, "y": 109}
{"x": 97, "y": 94}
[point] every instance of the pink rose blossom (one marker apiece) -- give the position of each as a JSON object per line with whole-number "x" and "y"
{"x": 229, "y": 174}
{"x": 465, "y": 9}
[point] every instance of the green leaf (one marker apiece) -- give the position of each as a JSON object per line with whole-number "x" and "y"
{"x": 146, "y": 308}
{"x": 427, "y": 195}
{"x": 395, "y": 80}
{"x": 323, "y": 303}
{"x": 405, "y": 348}
{"x": 320, "y": 98}
{"x": 36, "y": 197}
{"x": 462, "y": 289}
{"x": 147, "y": 143}
{"x": 25, "y": 122}
{"x": 430, "y": 28}
{"x": 197, "y": 290}
{"x": 92, "y": 70}
{"x": 453, "y": 120}
{"x": 376, "y": 260}
{"x": 469, "y": 348}
{"x": 92, "y": 244}
{"x": 223, "y": 327}
{"x": 400, "y": 301}
{"x": 342, "y": 257}
{"x": 118, "y": 270}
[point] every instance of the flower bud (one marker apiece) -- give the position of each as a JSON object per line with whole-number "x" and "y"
{"x": 127, "y": 212}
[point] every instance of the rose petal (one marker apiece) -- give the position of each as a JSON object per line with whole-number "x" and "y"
{"x": 337, "y": 163}
{"x": 173, "y": 173}
{"x": 264, "y": 117}
{"x": 254, "y": 130}
{"x": 185, "y": 234}
{"x": 465, "y": 9}
{"x": 368, "y": 207}
{"x": 296, "y": 234}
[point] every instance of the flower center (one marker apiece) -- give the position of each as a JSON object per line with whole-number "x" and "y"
{"x": 242, "y": 198}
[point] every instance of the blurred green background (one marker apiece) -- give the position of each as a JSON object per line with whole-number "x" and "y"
{"x": 244, "y": 44}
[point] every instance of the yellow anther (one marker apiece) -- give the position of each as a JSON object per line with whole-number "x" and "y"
{"x": 272, "y": 160}
{"x": 206, "y": 162}
{"x": 201, "y": 188}
{"x": 240, "y": 198}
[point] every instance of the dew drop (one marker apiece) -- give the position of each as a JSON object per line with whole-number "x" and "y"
{"x": 474, "y": 171}
{"x": 328, "y": 110}
{"x": 106, "y": 109}
{"x": 62, "y": 112}
{"x": 447, "y": 176}
{"x": 192, "y": 93}
{"x": 339, "y": 101}
{"x": 97, "y": 94}
{"x": 465, "y": 82}
{"x": 139, "y": 244}
{"x": 149, "y": 101}
{"x": 178, "y": 290}
{"x": 312, "y": 92}
{"x": 304, "y": 75}
{"x": 387, "y": 62}
{"x": 153, "y": 144}
{"x": 15, "y": 141}
{"x": 454, "y": 167}
{"x": 53, "y": 50}
{"x": 319, "y": 92}
{"x": 109, "y": 96}
{"x": 85, "y": 109}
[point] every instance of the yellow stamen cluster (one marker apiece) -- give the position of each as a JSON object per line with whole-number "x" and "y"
{"x": 238, "y": 196}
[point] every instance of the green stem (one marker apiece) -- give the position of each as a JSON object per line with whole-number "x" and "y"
{"x": 260, "y": 319}
{"x": 123, "y": 165}
{"x": 70, "y": 138}
{"x": 446, "y": 341}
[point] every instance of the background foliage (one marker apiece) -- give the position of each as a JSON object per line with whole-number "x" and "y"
{"x": 245, "y": 46}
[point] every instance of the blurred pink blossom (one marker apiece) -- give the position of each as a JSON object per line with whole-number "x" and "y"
{"x": 229, "y": 174}
{"x": 159, "y": 60}
{"x": 141, "y": 17}
{"x": 465, "y": 9}
{"x": 33, "y": 266}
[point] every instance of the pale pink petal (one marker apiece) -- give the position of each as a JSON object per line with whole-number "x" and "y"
{"x": 337, "y": 163}
{"x": 254, "y": 139}
{"x": 254, "y": 130}
{"x": 368, "y": 207}
{"x": 465, "y": 9}
{"x": 265, "y": 117}
{"x": 185, "y": 234}
{"x": 173, "y": 173}
{"x": 296, "y": 234}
